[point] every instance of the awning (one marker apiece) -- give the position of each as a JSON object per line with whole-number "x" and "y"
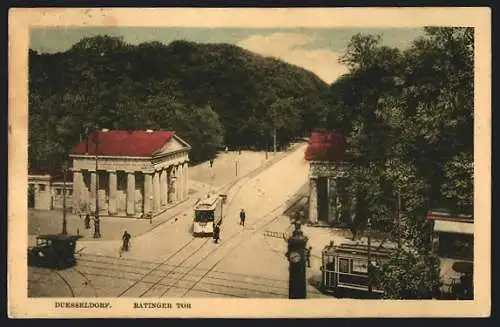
{"x": 454, "y": 227}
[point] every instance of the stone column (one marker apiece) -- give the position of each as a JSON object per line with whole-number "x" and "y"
{"x": 186, "y": 179}
{"x": 166, "y": 185}
{"x": 180, "y": 176}
{"x": 93, "y": 195}
{"x": 170, "y": 194}
{"x": 130, "y": 193}
{"x": 148, "y": 193}
{"x": 156, "y": 190}
{"x": 112, "y": 193}
{"x": 77, "y": 185}
{"x": 333, "y": 199}
{"x": 162, "y": 187}
{"x": 313, "y": 200}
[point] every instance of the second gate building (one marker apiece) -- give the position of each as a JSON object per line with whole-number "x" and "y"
{"x": 130, "y": 173}
{"x": 329, "y": 164}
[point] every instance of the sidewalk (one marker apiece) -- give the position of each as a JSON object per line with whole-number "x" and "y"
{"x": 203, "y": 179}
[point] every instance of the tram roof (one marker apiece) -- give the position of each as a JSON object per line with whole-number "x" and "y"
{"x": 358, "y": 249}
{"x": 207, "y": 203}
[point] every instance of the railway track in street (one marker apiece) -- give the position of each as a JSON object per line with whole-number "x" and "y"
{"x": 199, "y": 243}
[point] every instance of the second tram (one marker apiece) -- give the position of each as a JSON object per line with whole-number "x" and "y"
{"x": 346, "y": 267}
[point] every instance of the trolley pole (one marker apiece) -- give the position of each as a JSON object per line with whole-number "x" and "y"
{"x": 369, "y": 269}
{"x": 97, "y": 228}
{"x": 64, "y": 223}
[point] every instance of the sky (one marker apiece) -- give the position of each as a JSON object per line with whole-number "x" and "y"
{"x": 314, "y": 49}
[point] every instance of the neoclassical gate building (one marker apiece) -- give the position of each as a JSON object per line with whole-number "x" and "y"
{"x": 130, "y": 173}
{"x": 329, "y": 201}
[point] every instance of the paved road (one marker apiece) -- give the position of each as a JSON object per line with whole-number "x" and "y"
{"x": 169, "y": 262}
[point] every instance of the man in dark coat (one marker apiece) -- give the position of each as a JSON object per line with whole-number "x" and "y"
{"x": 308, "y": 256}
{"x": 126, "y": 239}
{"x": 216, "y": 232}
{"x": 87, "y": 221}
{"x": 242, "y": 217}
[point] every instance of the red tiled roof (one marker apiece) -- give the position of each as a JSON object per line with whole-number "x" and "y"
{"x": 326, "y": 146}
{"x": 123, "y": 143}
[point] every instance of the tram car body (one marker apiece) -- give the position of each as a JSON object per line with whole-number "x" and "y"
{"x": 207, "y": 212}
{"x": 53, "y": 251}
{"x": 345, "y": 267}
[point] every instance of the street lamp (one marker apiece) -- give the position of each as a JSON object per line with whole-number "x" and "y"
{"x": 64, "y": 223}
{"x": 97, "y": 228}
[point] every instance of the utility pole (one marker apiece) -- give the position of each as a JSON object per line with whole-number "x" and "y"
{"x": 64, "y": 223}
{"x": 369, "y": 270}
{"x": 274, "y": 140}
{"x": 97, "y": 228}
{"x": 398, "y": 219}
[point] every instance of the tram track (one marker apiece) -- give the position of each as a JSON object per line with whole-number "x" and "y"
{"x": 232, "y": 277}
{"x": 88, "y": 282}
{"x": 225, "y": 283}
{"x": 234, "y": 247}
{"x": 228, "y": 250}
{"x": 128, "y": 265}
{"x": 193, "y": 239}
{"x": 68, "y": 285}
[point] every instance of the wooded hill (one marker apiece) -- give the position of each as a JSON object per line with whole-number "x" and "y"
{"x": 210, "y": 94}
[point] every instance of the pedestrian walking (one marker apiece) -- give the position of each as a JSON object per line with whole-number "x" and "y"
{"x": 242, "y": 217}
{"x": 211, "y": 163}
{"x": 87, "y": 221}
{"x": 216, "y": 232}
{"x": 308, "y": 256}
{"x": 126, "y": 241}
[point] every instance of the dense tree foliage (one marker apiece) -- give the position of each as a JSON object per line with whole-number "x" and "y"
{"x": 211, "y": 94}
{"x": 408, "y": 117}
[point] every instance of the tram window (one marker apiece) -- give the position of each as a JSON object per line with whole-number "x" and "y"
{"x": 360, "y": 266}
{"x": 344, "y": 265}
{"x": 204, "y": 216}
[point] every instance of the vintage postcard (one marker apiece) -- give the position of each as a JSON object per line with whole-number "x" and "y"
{"x": 249, "y": 162}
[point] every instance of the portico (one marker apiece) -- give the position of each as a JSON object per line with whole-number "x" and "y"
{"x": 138, "y": 172}
{"x": 329, "y": 201}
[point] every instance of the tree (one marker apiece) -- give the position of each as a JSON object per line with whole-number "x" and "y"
{"x": 105, "y": 82}
{"x": 408, "y": 118}
{"x": 410, "y": 275}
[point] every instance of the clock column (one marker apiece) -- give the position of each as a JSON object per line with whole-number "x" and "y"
{"x": 297, "y": 263}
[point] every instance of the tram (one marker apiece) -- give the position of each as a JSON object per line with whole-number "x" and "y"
{"x": 345, "y": 267}
{"x": 207, "y": 213}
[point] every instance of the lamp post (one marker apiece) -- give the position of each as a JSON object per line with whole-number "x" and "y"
{"x": 64, "y": 223}
{"x": 97, "y": 227}
{"x": 297, "y": 263}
